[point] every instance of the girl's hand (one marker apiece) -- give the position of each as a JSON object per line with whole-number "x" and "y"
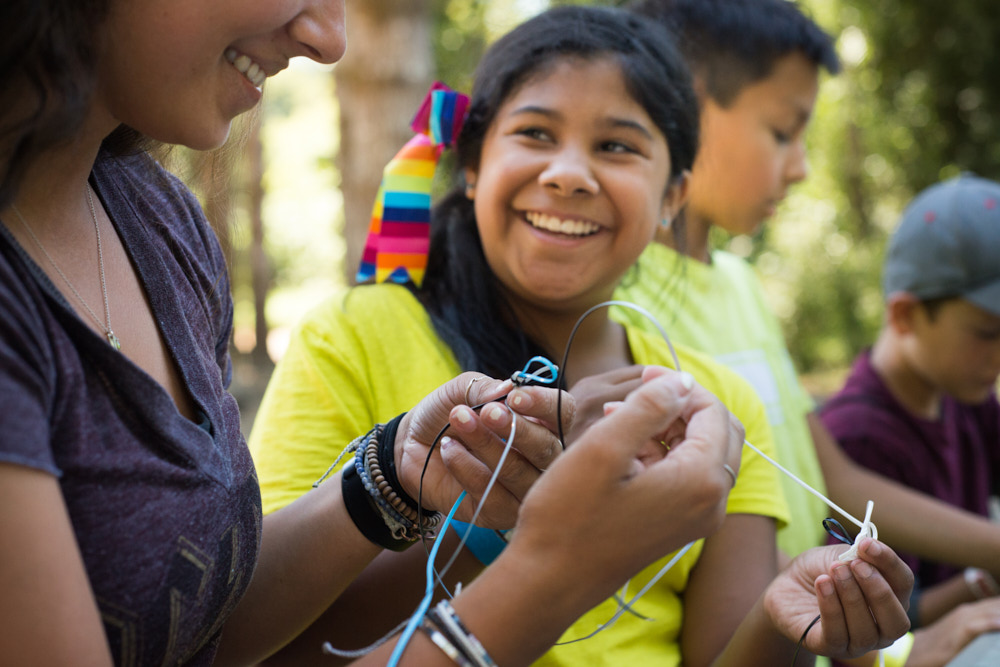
{"x": 594, "y": 392}
{"x": 468, "y": 453}
{"x": 862, "y": 604}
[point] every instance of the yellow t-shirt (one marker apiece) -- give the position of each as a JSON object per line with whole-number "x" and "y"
{"x": 366, "y": 356}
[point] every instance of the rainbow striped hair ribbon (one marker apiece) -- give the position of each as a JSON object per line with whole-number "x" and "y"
{"x": 399, "y": 235}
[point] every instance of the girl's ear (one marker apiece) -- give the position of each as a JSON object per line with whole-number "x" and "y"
{"x": 675, "y": 197}
{"x": 470, "y": 182}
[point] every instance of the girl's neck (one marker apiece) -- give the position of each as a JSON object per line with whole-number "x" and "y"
{"x": 599, "y": 344}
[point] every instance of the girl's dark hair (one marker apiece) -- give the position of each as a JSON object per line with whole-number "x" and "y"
{"x": 48, "y": 60}
{"x": 465, "y": 300}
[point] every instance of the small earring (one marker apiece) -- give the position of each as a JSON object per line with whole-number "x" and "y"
{"x": 665, "y": 223}
{"x": 470, "y": 191}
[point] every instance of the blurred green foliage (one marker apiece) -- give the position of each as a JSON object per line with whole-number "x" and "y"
{"x": 917, "y": 102}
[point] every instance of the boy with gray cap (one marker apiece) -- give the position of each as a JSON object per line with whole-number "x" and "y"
{"x": 920, "y": 407}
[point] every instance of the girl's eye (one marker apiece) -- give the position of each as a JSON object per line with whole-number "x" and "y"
{"x": 617, "y": 147}
{"x": 534, "y": 133}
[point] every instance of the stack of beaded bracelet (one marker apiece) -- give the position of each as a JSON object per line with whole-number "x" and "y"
{"x": 399, "y": 516}
{"x": 449, "y": 634}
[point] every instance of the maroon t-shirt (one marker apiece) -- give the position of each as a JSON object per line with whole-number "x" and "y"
{"x": 166, "y": 511}
{"x": 955, "y": 459}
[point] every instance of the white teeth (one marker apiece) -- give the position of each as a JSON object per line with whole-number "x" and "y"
{"x": 247, "y": 67}
{"x": 553, "y": 224}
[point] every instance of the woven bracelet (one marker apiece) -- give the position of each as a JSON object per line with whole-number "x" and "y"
{"x": 385, "y": 517}
{"x": 444, "y": 618}
{"x": 365, "y": 514}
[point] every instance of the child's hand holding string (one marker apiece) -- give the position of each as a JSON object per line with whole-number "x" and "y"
{"x": 861, "y": 604}
{"x": 470, "y": 449}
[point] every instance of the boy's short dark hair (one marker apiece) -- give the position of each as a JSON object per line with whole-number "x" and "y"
{"x": 730, "y": 44}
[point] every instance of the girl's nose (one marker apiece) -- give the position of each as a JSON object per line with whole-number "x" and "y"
{"x": 569, "y": 173}
{"x": 319, "y": 30}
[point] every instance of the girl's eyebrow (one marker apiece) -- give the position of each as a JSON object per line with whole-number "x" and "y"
{"x": 613, "y": 122}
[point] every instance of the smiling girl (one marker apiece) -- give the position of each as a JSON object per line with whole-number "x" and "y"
{"x": 581, "y": 128}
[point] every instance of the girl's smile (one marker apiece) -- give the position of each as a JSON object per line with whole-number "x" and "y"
{"x": 572, "y": 181}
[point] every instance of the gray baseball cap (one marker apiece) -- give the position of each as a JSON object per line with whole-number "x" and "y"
{"x": 948, "y": 244}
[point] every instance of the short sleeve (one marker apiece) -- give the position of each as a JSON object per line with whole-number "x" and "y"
{"x": 26, "y": 380}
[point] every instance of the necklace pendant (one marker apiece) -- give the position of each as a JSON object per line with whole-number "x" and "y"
{"x": 113, "y": 339}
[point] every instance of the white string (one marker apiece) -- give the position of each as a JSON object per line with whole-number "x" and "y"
{"x": 482, "y": 501}
{"x": 833, "y": 505}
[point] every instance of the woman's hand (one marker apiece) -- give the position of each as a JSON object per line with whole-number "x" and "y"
{"x": 470, "y": 450}
{"x": 599, "y": 499}
{"x": 862, "y": 604}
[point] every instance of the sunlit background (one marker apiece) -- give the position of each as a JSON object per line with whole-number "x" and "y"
{"x": 917, "y": 102}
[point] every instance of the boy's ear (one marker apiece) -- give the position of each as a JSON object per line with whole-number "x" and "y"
{"x": 676, "y": 196}
{"x": 901, "y": 309}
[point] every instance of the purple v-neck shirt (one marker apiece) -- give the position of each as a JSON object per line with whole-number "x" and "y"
{"x": 166, "y": 512}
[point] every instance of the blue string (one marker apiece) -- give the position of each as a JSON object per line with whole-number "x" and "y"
{"x": 418, "y": 615}
{"x": 523, "y": 376}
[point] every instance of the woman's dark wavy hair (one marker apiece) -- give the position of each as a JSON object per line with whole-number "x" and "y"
{"x": 466, "y": 302}
{"x": 48, "y": 60}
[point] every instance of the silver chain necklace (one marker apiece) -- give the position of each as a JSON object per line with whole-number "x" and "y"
{"x": 112, "y": 338}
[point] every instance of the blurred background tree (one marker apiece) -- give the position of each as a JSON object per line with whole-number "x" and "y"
{"x": 918, "y": 101}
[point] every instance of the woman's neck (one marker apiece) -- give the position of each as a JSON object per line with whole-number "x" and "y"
{"x": 52, "y": 191}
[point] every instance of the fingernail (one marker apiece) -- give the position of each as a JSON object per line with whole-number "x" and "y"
{"x": 841, "y": 572}
{"x": 687, "y": 380}
{"x": 874, "y": 548}
{"x": 519, "y": 399}
{"x": 863, "y": 569}
{"x": 611, "y": 406}
{"x": 495, "y": 413}
{"x": 826, "y": 587}
{"x": 464, "y": 415}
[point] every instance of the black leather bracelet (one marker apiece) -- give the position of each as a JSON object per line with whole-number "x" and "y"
{"x": 365, "y": 514}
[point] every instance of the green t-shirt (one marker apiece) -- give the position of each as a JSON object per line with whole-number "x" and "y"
{"x": 719, "y": 309}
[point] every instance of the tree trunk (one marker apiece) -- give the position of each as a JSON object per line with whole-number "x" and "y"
{"x": 380, "y": 82}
